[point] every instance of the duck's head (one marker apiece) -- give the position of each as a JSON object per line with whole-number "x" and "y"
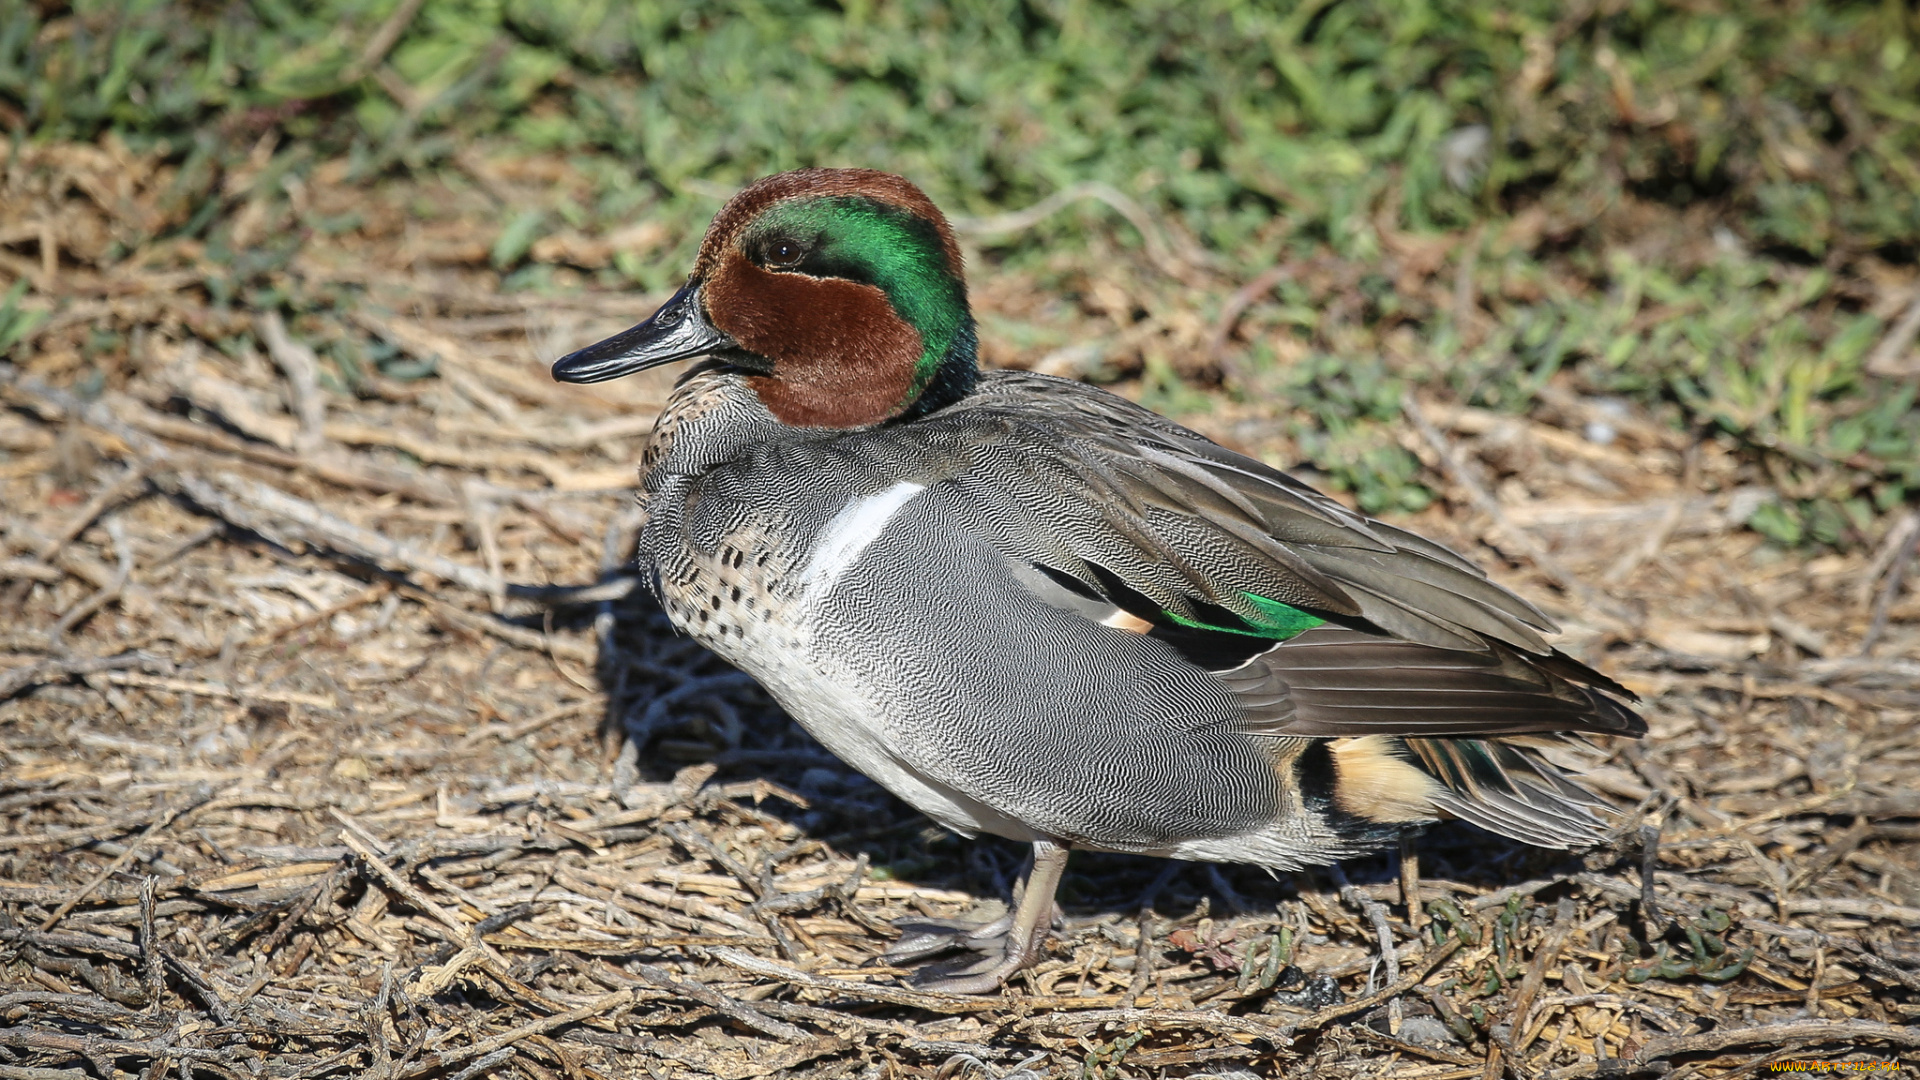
{"x": 838, "y": 291}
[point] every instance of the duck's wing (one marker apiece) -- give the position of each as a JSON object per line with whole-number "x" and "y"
{"x": 1324, "y": 622}
{"x": 1214, "y": 532}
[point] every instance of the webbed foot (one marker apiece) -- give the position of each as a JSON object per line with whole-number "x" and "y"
{"x": 921, "y": 939}
{"x": 1005, "y": 946}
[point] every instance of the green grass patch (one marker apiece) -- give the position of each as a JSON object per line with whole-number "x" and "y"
{"x": 1262, "y": 131}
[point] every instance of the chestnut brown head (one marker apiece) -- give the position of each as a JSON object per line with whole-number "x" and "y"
{"x": 840, "y": 292}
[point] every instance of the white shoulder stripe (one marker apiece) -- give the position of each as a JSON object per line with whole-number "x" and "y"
{"x": 857, "y": 525}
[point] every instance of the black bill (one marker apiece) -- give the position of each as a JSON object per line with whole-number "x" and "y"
{"x": 677, "y": 331}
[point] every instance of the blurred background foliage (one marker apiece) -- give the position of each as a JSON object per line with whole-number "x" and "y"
{"x": 1558, "y": 149}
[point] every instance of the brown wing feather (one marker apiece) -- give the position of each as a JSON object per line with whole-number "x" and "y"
{"x": 1333, "y": 681}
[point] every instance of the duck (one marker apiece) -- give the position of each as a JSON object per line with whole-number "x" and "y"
{"x": 1031, "y": 608}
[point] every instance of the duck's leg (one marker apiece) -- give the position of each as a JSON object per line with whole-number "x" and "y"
{"x": 924, "y": 938}
{"x": 1026, "y": 936}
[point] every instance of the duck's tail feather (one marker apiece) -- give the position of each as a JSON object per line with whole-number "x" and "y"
{"x": 1508, "y": 786}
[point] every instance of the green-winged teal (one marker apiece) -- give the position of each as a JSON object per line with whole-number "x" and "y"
{"x": 1032, "y": 608}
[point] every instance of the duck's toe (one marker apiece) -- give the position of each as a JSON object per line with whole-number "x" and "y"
{"x": 982, "y": 975}
{"x": 995, "y": 953}
{"x": 985, "y": 974}
{"x": 1011, "y": 943}
{"x": 923, "y": 938}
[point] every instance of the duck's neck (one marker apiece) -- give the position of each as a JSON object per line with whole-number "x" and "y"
{"x": 951, "y": 376}
{"x": 712, "y": 417}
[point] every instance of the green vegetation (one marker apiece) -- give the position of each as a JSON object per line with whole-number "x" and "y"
{"x": 1563, "y": 146}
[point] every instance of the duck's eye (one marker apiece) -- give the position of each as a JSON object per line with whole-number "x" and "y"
{"x": 784, "y": 253}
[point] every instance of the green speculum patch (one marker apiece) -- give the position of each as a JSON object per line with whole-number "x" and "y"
{"x": 875, "y": 243}
{"x": 1270, "y": 619}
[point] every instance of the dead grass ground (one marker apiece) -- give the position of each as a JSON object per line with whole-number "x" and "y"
{"x": 316, "y": 759}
